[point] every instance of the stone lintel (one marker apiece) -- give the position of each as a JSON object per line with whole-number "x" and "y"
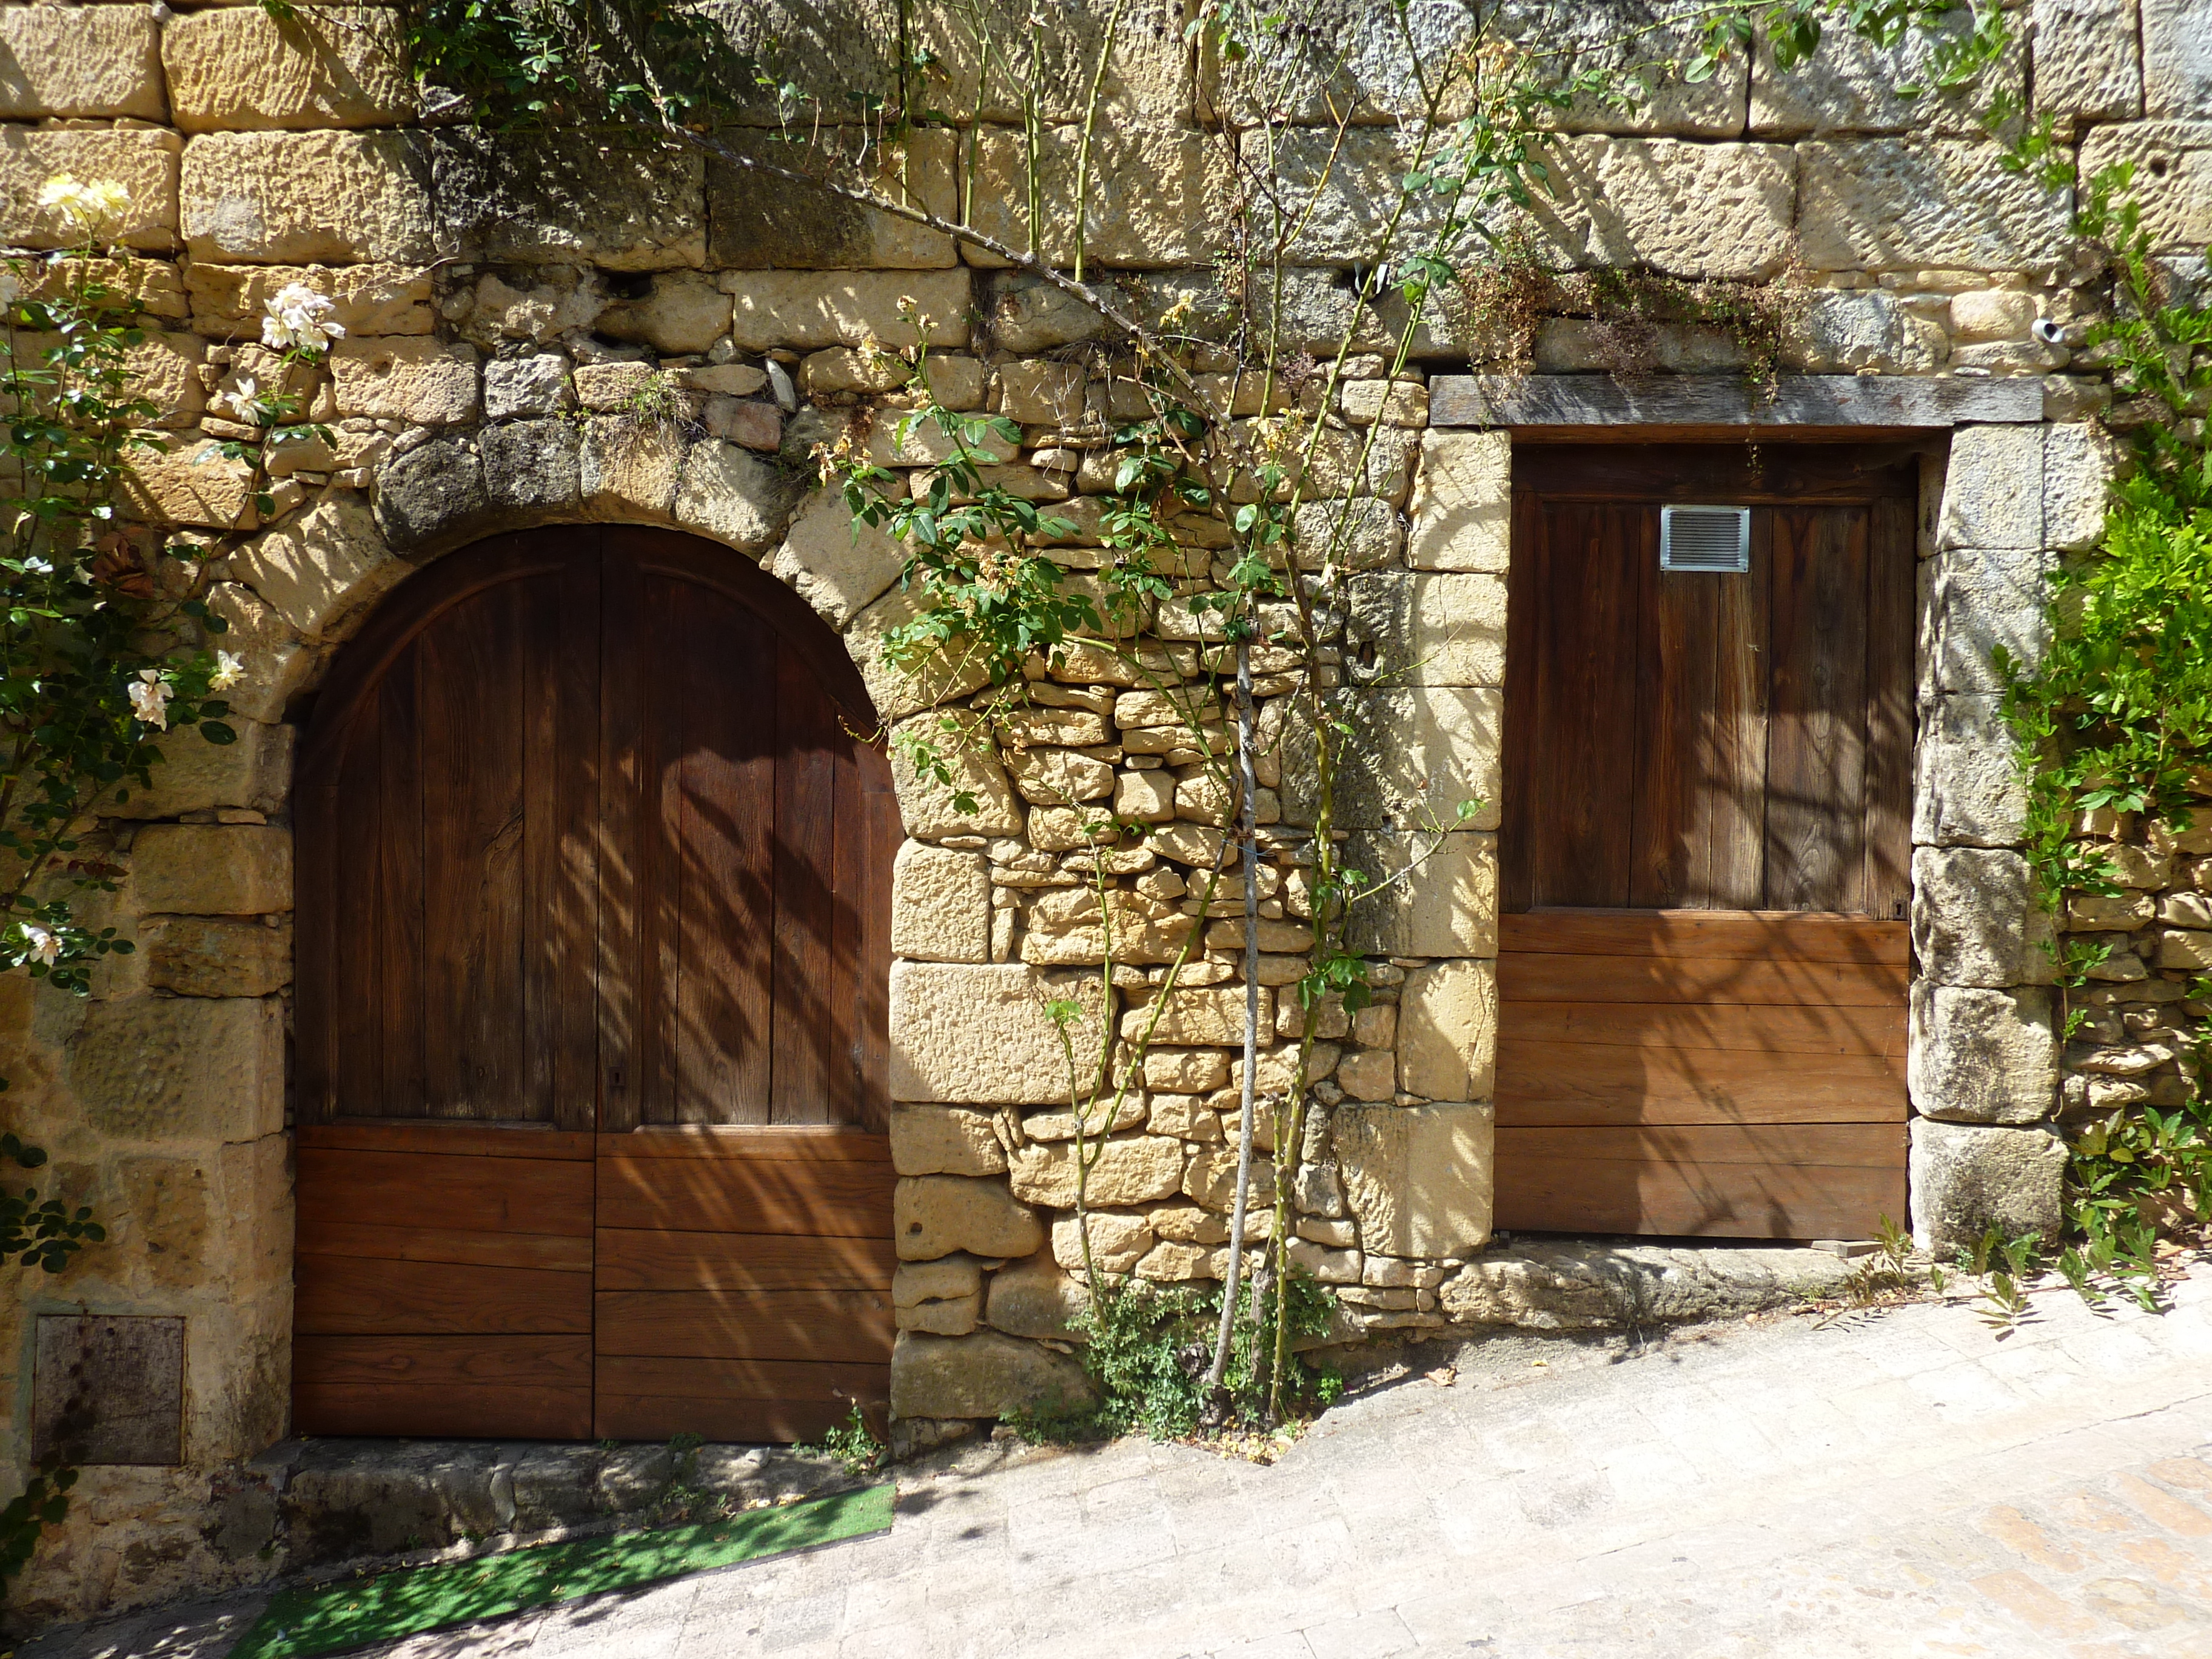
{"x": 1538, "y": 406}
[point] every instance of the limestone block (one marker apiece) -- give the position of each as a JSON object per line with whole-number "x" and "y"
{"x": 1983, "y": 1056}
{"x": 940, "y": 904}
{"x": 1199, "y": 1017}
{"x": 1064, "y": 926}
{"x": 945, "y": 1141}
{"x": 1410, "y": 759}
{"x": 1134, "y": 1170}
{"x": 1892, "y": 205}
{"x": 433, "y": 494}
{"x": 900, "y": 686}
{"x": 944, "y": 1317}
{"x": 421, "y": 381}
{"x": 2088, "y": 61}
{"x": 837, "y": 563}
{"x": 1448, "y": 907}
{"x": 731, "y": 493}
{"x": 1042, "y": 394}
{"x": 933, "y": 810}
{"x": 536, "y": 385}
{"x": 1186, "y": 1071}
{"x": 1034, "y": 1298}
{"x": 1715, "y": 210}
{"x": 2177, "y": 71}
{"x": 981, "y": 1034}
{"x": 227, "y": 300}
{"x": 1369, "y": 1075}
{"x": 1211, "y": 1179}
{"x": 681, "y": 311}
{"x": 1447, "y": 1031}
{"x": 1966, "y": 1178}
{"x": 1358, "y": 534}
{"x": 2178, "y": 156}
{"x": 812, "y": 310}
{"x": 1575, "y": 1285}
{"x": 194, "y": 774}
{"x": 1967, "y": 789}
{"x": 322, "y": 569}
{"x": 308, "y": 197}
{"x": 986, "y": 1375}
{"x": 218, "y": 1215}
{"x": 1059, "y": 777}
{"x": 628, "y": 469}
{"x": 1975, "y": 920}
{"x": 532, "y": 469}
{"x": 1418, "y": 1178}
{"x": 2080, "y": 460}
{"x": 2186, "y": 948}
{"x": 1156, "y": 196}
{"x": 1993, "y": 488}
{"x": 1984, "y": 599}
{"x": 622, "y": 202}
{"x": 933, "y": 1215}
{"x": 1851, "y": 84}
{"x": 757, "y": 221}
{"x": 1430, "y": 629}
{"x": 1462, "y": 502}
{"x": 215, "y": 956}
{"x": 898, "y": 440}
{"x": 946, "y": 1278}
{"x": 142, "y": 161}
{"x": 325, "y": 66}
{"x": 212, "y": 869}
{"x": 187, "y": 483}
{"x": 1850, "y": 330}
{"x": 271, "y": 664}
{"x": 84, "y": 62}
{"x": 180, "y": 1068}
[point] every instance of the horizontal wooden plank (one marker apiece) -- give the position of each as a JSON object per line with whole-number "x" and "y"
{"x": 832, "y": 1325}
{"x": 1746, "y": 935}
{"x": 1727, "y": 1201}
{"x": 629, "y": 1260}
{"x": 742, "y": 1422}
{"x": 461, "y": 1195}
{"x": 813, "y": 1381}
{"x": 1543, "y": 1083}
{"x": 339, "y": 1296}
{"x": 807, "y": 1142}
{"x": 1544, "y": 977}
{"x": 1529, "y": 403}
{"x": 1773, "y": 1030}
{"x": 438, "y": 1410}
{"x": 457, "y": 1362}
{"x": 448, "y": 1139}
{"x": 1835, "y": 1145}
{"x": 555, "y": 1252}
{"x": 826, "y": 1199}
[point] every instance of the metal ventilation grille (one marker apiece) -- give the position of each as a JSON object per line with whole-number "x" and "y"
{"x": 1710, "y": 538}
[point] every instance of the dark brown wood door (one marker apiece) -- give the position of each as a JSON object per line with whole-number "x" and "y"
{"x": 1706, "y": 854}
{"x": 594, "y": 878}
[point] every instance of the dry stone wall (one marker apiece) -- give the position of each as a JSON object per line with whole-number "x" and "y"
{"x": 608, "y": 327}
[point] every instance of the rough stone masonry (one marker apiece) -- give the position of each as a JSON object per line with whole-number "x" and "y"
{"x": 515, "y": 307}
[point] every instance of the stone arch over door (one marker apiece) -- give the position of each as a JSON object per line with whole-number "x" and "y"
{"x": 594, "y": 911}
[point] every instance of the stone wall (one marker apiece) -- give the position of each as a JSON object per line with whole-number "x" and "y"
{"x": 606, "y": 328}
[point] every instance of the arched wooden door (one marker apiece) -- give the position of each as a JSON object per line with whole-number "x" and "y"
{"x": 594, "y": 934}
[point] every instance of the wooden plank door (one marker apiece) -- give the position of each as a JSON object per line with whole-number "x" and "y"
{"x": 1704, "y": 854}
{"x": 594, "y": 920}
{"x": 744, "y": 1254}
{"x": 446, "y": 817}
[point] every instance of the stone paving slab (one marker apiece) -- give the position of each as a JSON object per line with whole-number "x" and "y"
{"x": 1898, "y": 1485}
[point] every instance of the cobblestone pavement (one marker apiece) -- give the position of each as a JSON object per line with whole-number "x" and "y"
{"x": 1899, "y": 1484}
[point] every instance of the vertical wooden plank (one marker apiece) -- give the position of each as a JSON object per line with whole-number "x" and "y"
{"x": 805, "y": 876}
{"x": 1735, "y": 732}
{"x": 1678, "y": 659}
{"x": 401, "y": 920}
{"x": 539, "y": 644}
{"x": 665, "y": 644}
{"x": 723, "y": 785}
{"x": 1516, "y": 841}
{"x": 621, "y": 931}
{"x": 1816, "y": 730}
{"x": 1887, "y": 884}
{"x": 366, "y": 1013}
{"x": 1584, "y": 730}
{"x": 573, "y": 911}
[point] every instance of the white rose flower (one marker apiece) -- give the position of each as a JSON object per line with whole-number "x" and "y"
{"x": 11, "y": 288}
{"x": 149, "y": 699}
{"x": 44, "y": 947}
{"x": 294, "y": 320}
{"x": 84, "y": 207}
{"x": 229, "y": 669}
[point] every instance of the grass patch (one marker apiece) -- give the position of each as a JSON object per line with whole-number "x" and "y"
{"x": 354, "y": 1613}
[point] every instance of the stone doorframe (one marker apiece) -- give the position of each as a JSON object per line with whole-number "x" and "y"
{"x": 2010, "y": 497}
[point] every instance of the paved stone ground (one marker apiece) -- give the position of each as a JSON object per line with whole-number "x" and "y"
{"x": 1898, "y": 1484}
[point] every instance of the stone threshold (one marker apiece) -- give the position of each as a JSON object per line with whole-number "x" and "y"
{"x": 315, "y": 1509}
